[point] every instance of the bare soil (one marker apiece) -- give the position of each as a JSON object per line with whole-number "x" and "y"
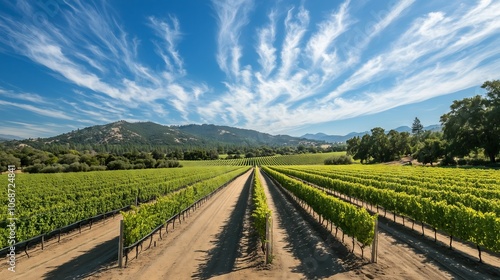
{"x": 76, "y": 256}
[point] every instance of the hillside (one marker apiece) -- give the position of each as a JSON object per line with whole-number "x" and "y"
{"x": 153, "y": 134}
{"x": 246, "y": 137}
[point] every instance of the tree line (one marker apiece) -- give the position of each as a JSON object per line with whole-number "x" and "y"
{"x": 470, "y": 135}
{"x": 60, "y": 158}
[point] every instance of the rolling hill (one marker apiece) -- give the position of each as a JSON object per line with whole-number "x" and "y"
{"x": 153, "y": 134}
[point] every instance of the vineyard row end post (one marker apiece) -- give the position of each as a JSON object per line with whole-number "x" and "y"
{"x": 375, "y": 243}
{"x": 120, "y": 246}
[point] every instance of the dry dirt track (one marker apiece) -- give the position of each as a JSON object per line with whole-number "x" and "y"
{"x": 204, "y": 246}
{"x": 77, "y": 256}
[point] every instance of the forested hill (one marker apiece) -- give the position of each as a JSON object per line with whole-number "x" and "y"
{"x": 153, "y": 134}
{"x": 232, "y": 135}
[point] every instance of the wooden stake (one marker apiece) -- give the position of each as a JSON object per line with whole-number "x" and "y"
{"x": 120, "y": 246}
{"x": 375, "y": 243}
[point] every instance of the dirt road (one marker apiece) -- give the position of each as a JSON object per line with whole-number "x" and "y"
{"x": 78, "y": 255}
{"x": 299, "y": 251}
{"x": 204, "y": 246}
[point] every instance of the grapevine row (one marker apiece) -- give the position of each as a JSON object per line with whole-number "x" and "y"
{"x": 318, "y": 158}
{"x": 84, "y": 195}
{"x": 437, "y": 194}
{"x": 468, "y": 224}
{"x": 261, "y": 209}
{"x": 143, "y": 219}
{"x": 485, "y": 182}
{"x": 353, "y": 221}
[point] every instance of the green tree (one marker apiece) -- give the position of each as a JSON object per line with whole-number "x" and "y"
{"x": 431, "y": 151}
{"x": 417, "y": 127}
{"x": 359, "y": 148}
{"x": 8, "y": 159}
{"x": 398, "y": 144}
{"x": 492, "y": 125}
{"x": 379, "y": 145}
{"x": 473, "y": 123}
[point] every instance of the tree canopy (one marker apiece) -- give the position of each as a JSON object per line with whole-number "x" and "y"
{"x": 474, "y": 123}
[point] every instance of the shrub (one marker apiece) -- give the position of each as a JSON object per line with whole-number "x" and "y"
{"x": 54, "y": 168}
{"x": 448, "y": 160}
{"x": 336, "y": 160}
{"x": 97, "y": 168}
{"x": 118, "y": 165}
{"x": 36, "y": 168}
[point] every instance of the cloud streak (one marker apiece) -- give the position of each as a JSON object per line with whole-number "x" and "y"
{"x": 89, "y": 49}
{"x": 316, "y": 80}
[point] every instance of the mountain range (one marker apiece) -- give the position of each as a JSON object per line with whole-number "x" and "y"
{"x": 343, "y": 138}
{"x": 149, "y": 133}
{"x": 7, "y": 137}
{"x": 153, "y": 134}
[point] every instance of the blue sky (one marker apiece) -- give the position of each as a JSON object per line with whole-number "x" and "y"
{"x": 282, "y": 67}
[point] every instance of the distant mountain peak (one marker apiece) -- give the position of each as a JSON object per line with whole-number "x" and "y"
{"x": 7, "y": 137}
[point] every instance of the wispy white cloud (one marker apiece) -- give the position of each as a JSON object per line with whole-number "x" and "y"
{"x": 232, "y": 16}
{"x": 284, "y": 68}
{"x": 37, "y": 110}
{"x": 437, "y": 53}
{"x": 29, "y": 130}
{"x": 170, "y": 33}
{"x": 265, "y": 48}
{"x": 295, "y": 29}
{"x": 30, "y": 97}
{"x": 321, "y": 43}
{"x": 90, "y": 49}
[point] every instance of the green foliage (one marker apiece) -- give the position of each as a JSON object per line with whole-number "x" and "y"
{"x": 473, "y": 123}
{"x": 118, "y": 165}
{"x": 417, "y": 127}
{"x": 261, "y": 209}
{"x": 336, "y": 160}
{"x": 305, "y": 159}
{"x": 430, "y": 151}
{"x": 463, "y": 203}
{"x": 379, "y": 147}
{"x": 353, "y": 221}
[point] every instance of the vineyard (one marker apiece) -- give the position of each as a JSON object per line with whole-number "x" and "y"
{"x": 463, "y": 203}
{"x": 301, "y": 200}
{"x": 45, "y": 202}
{"x": 303, "y": 159}
{"x": 353, "y": 221}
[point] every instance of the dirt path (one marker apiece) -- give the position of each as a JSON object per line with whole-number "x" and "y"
{"x": 205, "y": 245}
{"x": 78, "y": 254}
{"x": 299, "y": 251}
{"x": 459, "y": 264}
